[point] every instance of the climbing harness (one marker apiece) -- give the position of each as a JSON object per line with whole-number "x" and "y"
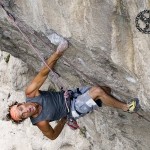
{"x": 70, "y": 95}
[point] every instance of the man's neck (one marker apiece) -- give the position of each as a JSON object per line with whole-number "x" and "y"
{"x": 38, "y": 110}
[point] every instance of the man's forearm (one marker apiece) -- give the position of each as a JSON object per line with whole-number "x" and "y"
{"x": 51, "y": 61}
{"x": 58, "y": 128}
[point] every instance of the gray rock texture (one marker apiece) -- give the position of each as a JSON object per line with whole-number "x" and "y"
{"x": 105, "y": 48}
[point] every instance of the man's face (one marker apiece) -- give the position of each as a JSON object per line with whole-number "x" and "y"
{"x": 22, "y": 111}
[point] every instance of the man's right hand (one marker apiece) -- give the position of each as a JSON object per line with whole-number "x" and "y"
{"x": 62, "y": 47}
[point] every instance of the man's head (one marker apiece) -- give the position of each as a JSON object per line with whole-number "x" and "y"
{"x": 20, "y": 111}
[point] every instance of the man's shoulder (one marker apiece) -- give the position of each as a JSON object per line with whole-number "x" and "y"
{"x": 33, "y": 94}
{"x": 33, "y": 97}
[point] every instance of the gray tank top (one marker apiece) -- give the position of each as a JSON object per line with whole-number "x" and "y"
{"x": 53, "y": 106}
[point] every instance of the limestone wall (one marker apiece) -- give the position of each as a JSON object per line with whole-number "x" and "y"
{"x": 105, "y": 48}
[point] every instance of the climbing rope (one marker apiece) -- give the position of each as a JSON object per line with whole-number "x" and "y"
{"x": 12, "y": 20}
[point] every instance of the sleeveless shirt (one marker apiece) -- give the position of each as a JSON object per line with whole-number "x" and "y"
{"x": 53, "y": 106}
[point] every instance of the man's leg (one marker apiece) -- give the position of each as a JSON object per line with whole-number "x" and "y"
{"x": 97, "y": 92}
{"x": 106, "y": 89}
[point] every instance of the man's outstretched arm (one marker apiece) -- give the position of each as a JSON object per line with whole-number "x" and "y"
{"x": 33, "y": 89}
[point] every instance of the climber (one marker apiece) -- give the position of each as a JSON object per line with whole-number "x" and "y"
{"x": 43, "y": 106}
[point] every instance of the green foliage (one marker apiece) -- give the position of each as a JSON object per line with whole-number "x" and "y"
{"x": 83, "y": 131}
{"x": 7, "y": 58}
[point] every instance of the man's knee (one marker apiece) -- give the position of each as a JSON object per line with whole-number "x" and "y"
{"x": 96, "y": 92}
{"x": 106, "y": 89}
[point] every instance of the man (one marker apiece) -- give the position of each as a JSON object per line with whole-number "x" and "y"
{"x": 43, "y": 107}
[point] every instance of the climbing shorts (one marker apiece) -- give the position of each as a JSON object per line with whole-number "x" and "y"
{"x": 83, "y": 104}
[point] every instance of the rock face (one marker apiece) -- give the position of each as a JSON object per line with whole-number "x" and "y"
{"x": 105, "y": 48}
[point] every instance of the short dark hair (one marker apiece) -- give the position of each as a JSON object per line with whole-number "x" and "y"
{"x": 8, "y": 116}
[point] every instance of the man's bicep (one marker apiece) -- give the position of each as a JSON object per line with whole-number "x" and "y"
{"x": 31, "y": 90}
